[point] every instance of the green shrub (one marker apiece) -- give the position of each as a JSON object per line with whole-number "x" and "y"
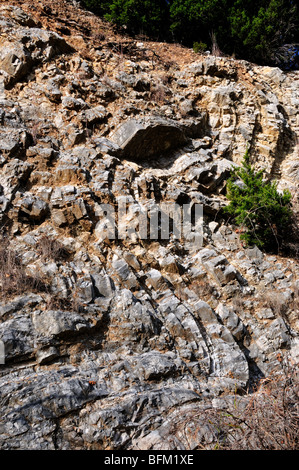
{"x": 264, "y": 31}
{"x": 149, "y": 17}
{"x": 99, "y": 7}
{"x": 199, "y": 46}
{"x": 258, "y": 207}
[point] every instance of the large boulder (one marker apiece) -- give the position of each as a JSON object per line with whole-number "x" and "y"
{"x": 146, "y": 138}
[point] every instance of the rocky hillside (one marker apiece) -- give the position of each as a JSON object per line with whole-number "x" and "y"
{"x": 131, "y": 343}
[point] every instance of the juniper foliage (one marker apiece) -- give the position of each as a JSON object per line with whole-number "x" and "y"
{"x": 264, "y": 31}
{"x": 256, "y": 205}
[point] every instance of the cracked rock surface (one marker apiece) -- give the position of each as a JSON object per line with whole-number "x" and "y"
{"x": 108, "y": 340}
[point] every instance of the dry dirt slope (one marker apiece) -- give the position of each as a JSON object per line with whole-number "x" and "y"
{"x": 135, "y": 343}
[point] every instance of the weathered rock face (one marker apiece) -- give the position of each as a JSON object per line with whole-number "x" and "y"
{"x": 25, "y": 47}
{"x": 109, "y": 338}
{"x": 140, "y": 140}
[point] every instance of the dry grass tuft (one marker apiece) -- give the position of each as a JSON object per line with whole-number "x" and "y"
{"x": 266, "y": 419}
{"x": 13, "y": 277}
{"x": 51, "y": 249}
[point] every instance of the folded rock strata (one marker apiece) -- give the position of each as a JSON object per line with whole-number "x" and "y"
{"x": 108, "y": 340}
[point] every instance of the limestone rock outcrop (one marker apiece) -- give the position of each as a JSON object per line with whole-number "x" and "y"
{"x": 26, "y": 46}
{"x": 109, "y": 339}
{"x": 146, "y": 138}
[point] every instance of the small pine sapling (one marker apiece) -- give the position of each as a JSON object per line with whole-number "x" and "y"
{"x": 258, "y": 207}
